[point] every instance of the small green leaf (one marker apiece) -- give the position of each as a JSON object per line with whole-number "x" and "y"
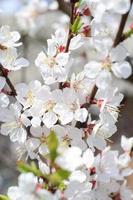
{"x": 76, "y": 25}
{"x": 62, "y": 186}
{"x": 59, "y": 176}
{"x": 52, "y": 142}
{"x": 3, "y": 197}
{"x": 25, "y": 168}
{"x": 128, "y": 33}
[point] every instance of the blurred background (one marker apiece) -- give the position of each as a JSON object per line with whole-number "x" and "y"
{"x": 36, "y": 21}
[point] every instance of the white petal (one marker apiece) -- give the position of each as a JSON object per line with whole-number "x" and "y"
{"x": 122, "y": 70}
{"x": 121, "y": 6}
{"x": 81, "y": 114}
{"x": 51, "y": 48}
{"x": 21, "y": 62}
{"x": 4, "y": 100}
{"x": 92, "y": 69}
{"x": 126, "y": 143}
{"x": 50, "y": 119}
{"x": 2, "y": 82}
{"x": 76, "y": 42}
{"x": 32, "y": 144}
{"x": 44, "y": 168}
{"x": 66, "y": 117}
{"x": 25, "y": 120}
{"x": 36, "y": 121}
{"x": 119, "y": 53}
{"x": 14, "y": 193}
{"x": 104, "y": 79}
{"x": 78, "y": 176}
{"x": 88, "y": 158}
{"x": 22, "y": 135}
{"x": 40, "y": 60}
{"x": 62, "y": 58}
{"x": 15, "y": 36}
{"x": 6, "y": 115}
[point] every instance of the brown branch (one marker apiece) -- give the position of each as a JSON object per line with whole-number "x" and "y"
{"x": 70, "y": 35}
{"x": 13, "y": 91}
{"x": 64, "y": 7}
{"x": 119, "y": 36}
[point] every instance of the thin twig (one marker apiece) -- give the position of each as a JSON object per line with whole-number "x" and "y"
{"x": 119, "y": 36}
{"x": 70, "y": 35}
{"x": 8, "y": 81}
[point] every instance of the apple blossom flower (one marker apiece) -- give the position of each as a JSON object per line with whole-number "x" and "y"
{"x": 9, "y": 59}
{"x": 54, "y": 65}
{"x": 14, "y": 123}
{"x": 69, "y": 109}
{"x": 95, "y": 171}
{"x": 8, "y": 39}
{"x": 44, "y": 105}
{"x": 26, "y": 94}
{"x": 114, "y": 62}
{"x": 81, "y": 84}
{"x": 109, "y": 100}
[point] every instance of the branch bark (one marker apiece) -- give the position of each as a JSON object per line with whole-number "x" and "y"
{"x": 119, "y": 37}
{"x": 8, "y": 81}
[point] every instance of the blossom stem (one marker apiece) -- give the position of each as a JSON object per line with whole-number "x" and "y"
{"x": 119, "y": 36}
{"x": 13, "y": 91}
{"x": 70, "y": 35}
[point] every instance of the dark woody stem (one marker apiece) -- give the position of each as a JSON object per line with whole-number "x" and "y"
{"x": 13, "y": 91}
{"x": 119, "y": 36}
{"x": 70, "y": 35}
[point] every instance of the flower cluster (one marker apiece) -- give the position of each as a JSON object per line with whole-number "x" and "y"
{"x": 64, "y": 124}
{"x": 8, "y": 51}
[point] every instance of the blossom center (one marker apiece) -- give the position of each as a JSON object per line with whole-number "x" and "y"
{"x": 106, "y": 63}
{"x": 30, "y": 97}
{"x": 50, "y": 62}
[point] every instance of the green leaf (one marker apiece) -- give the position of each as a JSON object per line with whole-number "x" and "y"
{"x": 60, "y": 175}
{"x": 76, "y": 25}
{"x": 79, "y": 3}
{"x": 128, "y": 33}
{"x": 3, "y": 197}
{"x": 26, "y": 168}
{"x": 62, "y": 186}
{"x": 52, "y": 142}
